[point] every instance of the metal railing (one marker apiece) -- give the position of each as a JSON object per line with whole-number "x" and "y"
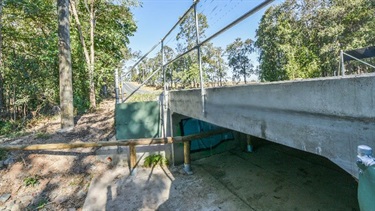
{"x": 196, "y": 47}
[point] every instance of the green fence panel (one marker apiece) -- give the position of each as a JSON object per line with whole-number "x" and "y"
{"x": 366, "y": 189}
{"x": 137, "y": 120}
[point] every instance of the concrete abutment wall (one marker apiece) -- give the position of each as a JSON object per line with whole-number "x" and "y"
{"x": 325, "y": 116}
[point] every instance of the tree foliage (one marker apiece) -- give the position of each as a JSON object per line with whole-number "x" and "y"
{"x": 30, "y": 63}
{"x": 303, "y": 38}
{"x": 238, "y": 58}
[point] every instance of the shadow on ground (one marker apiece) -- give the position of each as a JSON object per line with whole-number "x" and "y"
{"x": 273, "y": 177}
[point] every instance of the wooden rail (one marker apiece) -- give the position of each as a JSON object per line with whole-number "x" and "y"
{"x": 126, "y": 142}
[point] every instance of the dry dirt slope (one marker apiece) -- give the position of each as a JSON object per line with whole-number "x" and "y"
{"x": 55, "y": 180}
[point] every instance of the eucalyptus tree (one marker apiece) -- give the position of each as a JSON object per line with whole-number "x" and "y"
{"x": 65, "y": 66}
{"x": 238, "y": 54}
{"x": 30, "y": 68}
{"x": 2, "y": 103}
{"x": 109, "y": 24}
{"x": 187, "y": 38}
{"x": 214, "y": 64}
{"x": 302, "y": 39}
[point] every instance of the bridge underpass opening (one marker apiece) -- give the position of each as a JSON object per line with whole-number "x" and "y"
{"x": 272, "y": 175}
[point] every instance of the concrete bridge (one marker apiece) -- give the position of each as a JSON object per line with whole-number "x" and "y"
{"x": 325, "y": 116}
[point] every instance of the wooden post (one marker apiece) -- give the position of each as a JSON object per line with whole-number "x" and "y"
{"x": 187, "y": 166}
{"x": 133, "y": 157}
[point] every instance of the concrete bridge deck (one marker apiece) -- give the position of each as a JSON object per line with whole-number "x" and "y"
{"x": 325, "y": 116}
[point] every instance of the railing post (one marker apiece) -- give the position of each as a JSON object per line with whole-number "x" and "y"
{"x": 165, "y": 93}
{"x": 187, "y": 166}
{"x": 116, "y": 86}
{"x": 133, "y": 158}
{"x": 203, "y": 92}
{"x": 342, "y": 63}
{"x": 121, "y": 91}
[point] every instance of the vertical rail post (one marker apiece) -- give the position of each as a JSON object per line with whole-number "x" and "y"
{"x": 133, "y": 158}
{"x": 203, "y": 92}
{"x": 187, "y": 166}
{"x": 165, "y": 93}
{"x": 342, "y": 63}
{"x": 116, "y": 86}
{"x": 121, "y": 85}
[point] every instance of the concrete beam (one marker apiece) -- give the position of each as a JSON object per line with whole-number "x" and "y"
{"x": 325, "y": 116}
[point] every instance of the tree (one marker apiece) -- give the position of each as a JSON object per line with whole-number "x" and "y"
{"x": 302, "y": 39}
{"x": 30, "y": 68}
{"x": 238, "y": 58}
{"x": 65, "y": 66}
{"x": 109, "y": 16}
{"x": 187, "y": 33}
{"x": 188, "y": 74}
{"x": 1, "y": 60}
{"x": 214, "y": 64}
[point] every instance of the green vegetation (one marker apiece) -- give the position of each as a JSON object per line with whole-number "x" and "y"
{"x": 8, "y": 127}
{"x": 42, "y": 203}
{"x": 3, "y": 154}
{"x": 29, "y": 73}
{"x": 143, "y": 97}
{"x": 41, "y": 135}
{"x": 31, "y": 180}
{"x": 302, "y": 39}
{"x": 153, "y": 160}
{"x": 238, "y": 58}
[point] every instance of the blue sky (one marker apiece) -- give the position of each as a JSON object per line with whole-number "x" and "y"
{"x": 156, "y": 17}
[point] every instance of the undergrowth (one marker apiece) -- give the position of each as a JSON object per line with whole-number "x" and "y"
{"x": 31, "y": 180}
{"x": 153, "y": 160}
{"x": 3, "y": 154}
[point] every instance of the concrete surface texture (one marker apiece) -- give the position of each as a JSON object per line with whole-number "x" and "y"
{"x": 273, "y": 177}
{"x": 325, "y": 116}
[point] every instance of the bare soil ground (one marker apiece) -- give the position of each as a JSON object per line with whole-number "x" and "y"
{"x": 55, "y": 180}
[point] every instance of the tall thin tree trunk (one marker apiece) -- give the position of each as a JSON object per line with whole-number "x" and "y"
{"x": 92, "y": 55}
{"x": 2, "y": 101}
{"x": 79, "y": 29}
{"x": 14, "y": 102}
{"x": 244, "y": 74}
{"x": 65, "y": 66}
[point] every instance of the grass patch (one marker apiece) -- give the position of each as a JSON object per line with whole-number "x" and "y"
{"x": 41, "y": 135}
{"x": 31, "y": 181}
{"x": 42, "y": 203}
{"x": 143, "y": 97}
{"x": 153, "y": 160}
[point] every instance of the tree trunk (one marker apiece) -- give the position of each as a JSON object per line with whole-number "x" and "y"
{"x": 14, "y": 103}
{"x": 79, "y": 29}
{"x": 244, "y": 74}
{"x": 65, "y": 66}
{"x": 2, "y": 101}
{"x": 92, "y": 51}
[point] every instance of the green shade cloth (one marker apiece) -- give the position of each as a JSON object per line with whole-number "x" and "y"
{"x": 366, "y": 189}
{"x": 137, "y": 120}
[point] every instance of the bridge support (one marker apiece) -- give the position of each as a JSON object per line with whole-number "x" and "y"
{"x": 325, "y": 116}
